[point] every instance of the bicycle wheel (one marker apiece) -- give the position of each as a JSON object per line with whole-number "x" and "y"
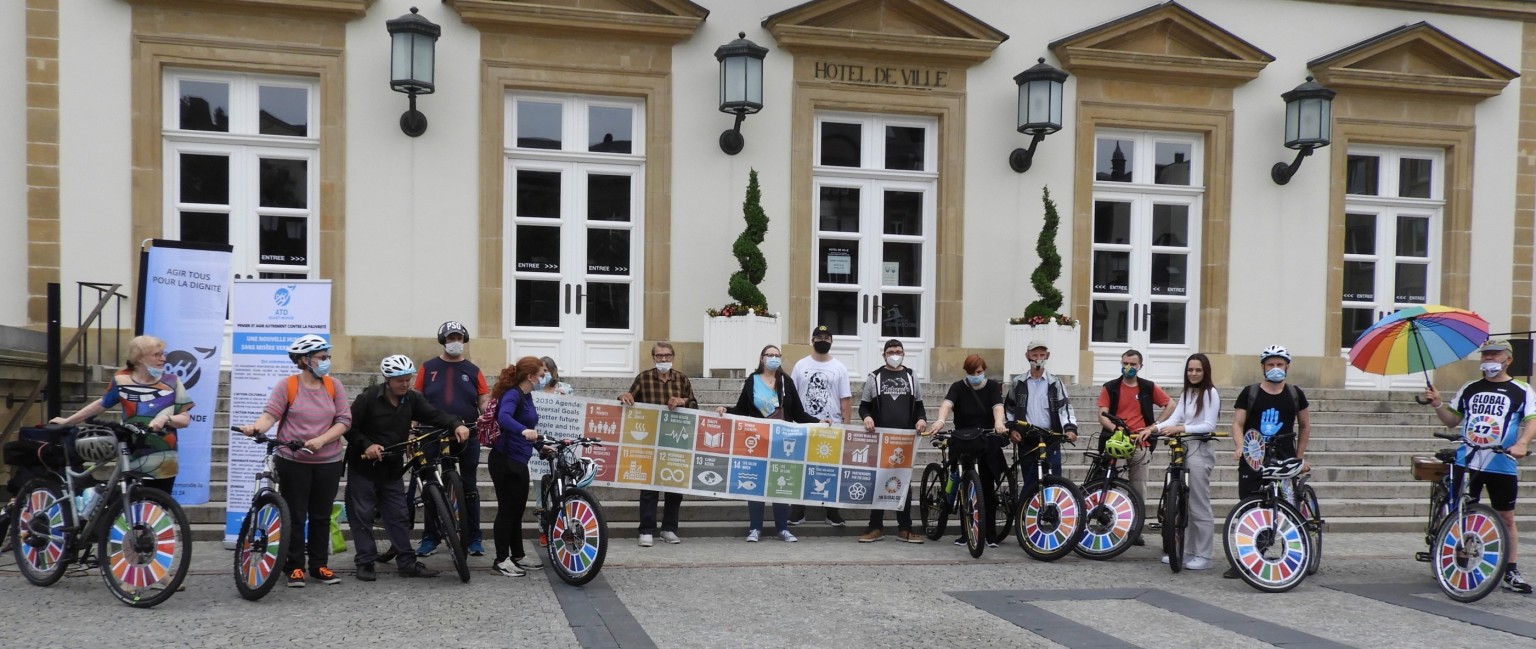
{"x": 1050, "y": 519}
{"x": 1170, "y": 512}
{"x": 1112, "y": 518}
{"x": 972, "y": 513}
{"x": 145, "y": 549}
{"x": 930, "y": 502}
{"x": 453, "y": 490}
{"x": 40, "y": 541}
{"x": 439, "y": 515}
{"x": 578, "y": 537}
{"x": 1470, "y": 552}
{"x": 262, "y": 546}
{"x": 1005, "y": 507}
{"x": 1268, "y": 544}
{"x": 1306, "y": 503}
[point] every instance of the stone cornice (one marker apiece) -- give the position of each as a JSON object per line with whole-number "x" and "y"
{"x": 1522, "y": 10}
{"x": 677, "y": 23}
{"x": 345, "y": 9}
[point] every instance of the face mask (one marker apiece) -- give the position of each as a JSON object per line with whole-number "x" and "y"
{"x": 155, "y": 372}
{"x": 320, "y": 368}
{"x": 1037, "y": 365}
{"x": 1490, "y": 369}
{"x": 1274, "y": 375}
{"x": 543, "y": 381}
{"x": 894, "y": 360}
{"x": 976, "y": 380}
{"x": 822, "y": 346}
{"x": 773, "y": 364}
{"x": 454, "y": 348}
{"x": 1129, "y": 372}
{"x": 663, "y": 367}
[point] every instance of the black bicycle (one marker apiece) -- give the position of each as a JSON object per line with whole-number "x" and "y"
{"x": 265, "y": 531}
{"x": 142, "y": 540}
{"x": 569, "y": 515}
{"x": 954, "y": 486}
{"x": 1266, "y": 536}
{"x": 435, "y": 477}
{"x": 1114, "y": 513}
{"x": 1049, "y": 517}
{"x": 1468, "y": 541}
{"x": 1173, "y": 506}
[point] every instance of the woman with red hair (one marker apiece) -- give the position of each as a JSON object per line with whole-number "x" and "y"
{"x": 977, "y": 404}
{"x": 508, "y": 464}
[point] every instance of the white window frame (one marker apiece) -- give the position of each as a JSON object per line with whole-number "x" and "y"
{"x": 1387, "y": 207}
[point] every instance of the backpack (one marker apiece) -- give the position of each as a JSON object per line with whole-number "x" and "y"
{"x": 1291, "y": 390}
{"x": 292, "y": 388}
{"x": 487, "y": 429}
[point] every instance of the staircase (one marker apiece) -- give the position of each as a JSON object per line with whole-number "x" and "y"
{"x": 1360, "y": 449}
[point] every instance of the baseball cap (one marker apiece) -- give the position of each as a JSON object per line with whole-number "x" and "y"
{"x": 821, "y": 330}
{"x": 893, "y": 343}
{"x": 1496, "y": 345}
{"x": 1036, "y": 344}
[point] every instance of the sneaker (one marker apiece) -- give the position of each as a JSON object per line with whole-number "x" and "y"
{"x": 527, "y": 563}
{"x": 786, "y": 537}
{"x": 418, "y": 570}
{"x": 507, "y": 568}
{"x": 325, "y": 575}
{"x": 1513, "y": 581}
{"x": 543, "y": 540}
{"x": 477, "y": 549}
{"x": 871, "y": 536}
{"x": 909, "y": 536}
{"x": 835, "y": 519}
{"x": 1138, "y": 541}
{"x": 1197, "y": 563}
{"x": 646, "y": 541}
{"x": 959, "y": 540}
{"x": 754, "y": 535}
{"x": 427, "y": 547}
{"x": 991, "y": 544}
{"x": 387, "y": 556}
{"x": 365, "y": 572}
{"x": 1154, "y": 525}
{"x": 1231, "y": 573}
{"x": 296, "y": 578}
{"x": 1165, "y": 559}
{"x": 671, "y": 537}
{"x": 797, "y": 521}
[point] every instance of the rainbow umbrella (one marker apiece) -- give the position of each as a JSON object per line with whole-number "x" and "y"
{"x": 1418, "y": 339}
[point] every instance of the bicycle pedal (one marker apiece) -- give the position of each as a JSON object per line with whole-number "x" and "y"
{"x": 1422, "y": 557}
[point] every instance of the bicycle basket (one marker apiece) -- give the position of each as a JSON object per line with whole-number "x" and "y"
{"x": 1431, "y": 469}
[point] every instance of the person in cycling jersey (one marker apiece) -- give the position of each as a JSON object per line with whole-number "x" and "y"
{"x": 315, "y": 413}
{"x": 1493, "y": 410}
{"x": 1194, "y": 413}
{"x": 381, "y": 421}
{"x": 453, "y": 384}
{"x": 1263, "y": 410}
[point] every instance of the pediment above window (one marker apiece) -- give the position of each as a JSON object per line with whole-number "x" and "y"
{"x": 1164, "y": 42}
{"x": 931, "y": 30}
{"x": 1415, "y": 59}
{"x": 346, "y": 9}
{"x": 665, "y": 20}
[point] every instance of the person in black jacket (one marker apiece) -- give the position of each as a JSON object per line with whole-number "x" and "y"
{"x": 892, "y": 399}
{"x": 768, "y": 393}
{"x": 381, "y": 419}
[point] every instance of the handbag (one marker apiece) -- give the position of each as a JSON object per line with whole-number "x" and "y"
{"x": 971, "y": 434}
{"x": 487, "y": 429}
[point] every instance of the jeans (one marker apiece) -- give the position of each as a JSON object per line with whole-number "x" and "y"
{"x": 755, "y": 516}
{"x": 668, "y": 513}
{"x": 469, "y": 463}
{"x": 309, "y": 490}
{"x": 511, "y": 481}
{"x": 367, "y": 497}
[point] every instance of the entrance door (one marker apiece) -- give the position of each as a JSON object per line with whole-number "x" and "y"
{"x": 1144, "y": 293}
{"x": 575, "y": 216}
{"x": 876, "y": 184}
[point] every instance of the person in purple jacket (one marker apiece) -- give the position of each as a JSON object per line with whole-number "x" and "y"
{"x": 508, "y": 463}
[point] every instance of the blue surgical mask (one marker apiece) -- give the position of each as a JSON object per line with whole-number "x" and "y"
{"x": 1274, "y": 375}
{"x": 773, "y": 364}
{"x": 976, "y": 380}
{"x": 543, "y": 381}
{"x": 155, "y": 372}
{"x": 1129, "y": 372}
{"x": 320, "y": 368}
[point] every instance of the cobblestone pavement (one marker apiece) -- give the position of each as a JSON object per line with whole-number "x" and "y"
{"x": 820, "y": 592}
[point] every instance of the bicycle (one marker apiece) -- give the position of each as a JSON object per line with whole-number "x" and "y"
{"x": 1304, "y": 497}
{"x": 1114, "y": 513}
{"x": 570, "y": 516}
{"x": 1468, "y": 540}
{"x": 1266, "y": 536}
{"x": 142, "y": 536}
{"x": 1173, "y": 505}
{"x": 947, "y": 489}
{"x": 1005, "y": 498}
{"x": 434, "y": 475}
{"x": 1049, "y": 522}
{"x": 265, "y": 530}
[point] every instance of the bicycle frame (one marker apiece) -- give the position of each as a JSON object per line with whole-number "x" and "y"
{"x": 84, "y": 526}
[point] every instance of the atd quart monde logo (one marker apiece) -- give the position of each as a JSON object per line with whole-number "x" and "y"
{"x": 282, "y": 297}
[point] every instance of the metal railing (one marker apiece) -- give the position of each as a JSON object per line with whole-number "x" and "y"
{"x": 50, "y": 388}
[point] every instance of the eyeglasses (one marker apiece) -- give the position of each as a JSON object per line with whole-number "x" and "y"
{"x": 773, "y": 356}
{"x": 662, "y": 357}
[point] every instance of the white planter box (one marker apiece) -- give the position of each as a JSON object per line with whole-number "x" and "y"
{"x": 1063, "y": 342}
{"x": 733, "y": 343}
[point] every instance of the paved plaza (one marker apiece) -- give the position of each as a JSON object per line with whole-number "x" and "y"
{"x": 820, "y": 592}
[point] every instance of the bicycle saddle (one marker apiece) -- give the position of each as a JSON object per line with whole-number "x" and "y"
{"x": 1446, "y": 455}
{"x": 1287, "y": 468}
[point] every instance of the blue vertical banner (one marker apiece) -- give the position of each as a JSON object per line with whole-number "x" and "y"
{"x": 183, "y": 300}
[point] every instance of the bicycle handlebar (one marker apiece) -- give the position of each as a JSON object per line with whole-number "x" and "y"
{"x": 261, "y": 438}
{"x": 545, "y": 440}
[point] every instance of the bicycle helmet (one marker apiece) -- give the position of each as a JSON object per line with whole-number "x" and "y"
{"x": 95, "y": 444}
{"x": 1287, "y": 468}
{"x": 397, "y": 365}
{"x": 589, "y": 468}
{"x": 306, "y": 345}
{"x": 1119, "y": 446}
{"x": 449, "y": 327}
{"x": 1274, "y": 350}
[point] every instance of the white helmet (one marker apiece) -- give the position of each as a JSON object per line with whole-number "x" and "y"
{"x": 1274, "y": 350}
{"x": 95, "y": 444}
{"x": 397, "y": 365}
{"x": 308, "y": 344}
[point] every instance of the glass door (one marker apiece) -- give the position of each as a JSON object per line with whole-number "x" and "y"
{"x": 1144, "y": 295}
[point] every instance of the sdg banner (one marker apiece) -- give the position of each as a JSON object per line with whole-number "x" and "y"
{"x": 183, "y": 298}
{"x": 268, "y": 316}
{"x": 724, "y": 456}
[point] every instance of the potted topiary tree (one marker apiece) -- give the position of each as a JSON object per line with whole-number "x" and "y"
{"x": 734, "y": 333}
{"x": 1042, "y": 319}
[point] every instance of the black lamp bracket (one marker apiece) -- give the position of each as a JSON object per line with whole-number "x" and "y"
{"x": 1281, "y": 173}
{"x": 412, "y": 122}
{"x": 1021, "y": 159}
{"x": 731, "y": 140}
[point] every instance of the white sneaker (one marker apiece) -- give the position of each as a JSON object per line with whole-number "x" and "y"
{"x": 646, "y": 541}
{"x": 529, "y": 562}
{"x": 508, "y": 569}
{"x": 1197, "y": 563}
{"x": 671, "y": 537}
{"x": 787, "y": 537}
{"x": 754, "y": 535}
{"x": 1165, "y": 559}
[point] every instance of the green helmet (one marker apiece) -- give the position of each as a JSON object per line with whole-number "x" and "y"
{"x": 1119, "y": 446}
